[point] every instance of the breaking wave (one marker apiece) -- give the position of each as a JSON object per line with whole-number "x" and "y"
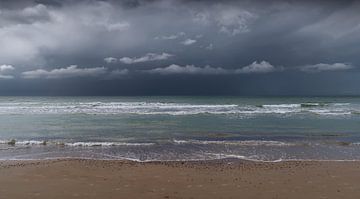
{"x": 157, "y": 108}
{"x": 239, "y": 143}
{"x": 175, "y": 141}
{"x": 179, "y": 150}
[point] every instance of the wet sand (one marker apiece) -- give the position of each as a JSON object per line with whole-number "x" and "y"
{"x": 203, "y": 179}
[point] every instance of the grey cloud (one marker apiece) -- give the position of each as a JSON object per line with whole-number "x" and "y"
{"x": 234, "y": 21}
{"x": 4, "y": 70}
{"x": 344, "y": 22}
{"x": 199, "y": 36}
{"x": 110, "y": 60}
{"x": 6, "y": 76}
{"x": 146, "y": 58}
{"x": 231, "y": 20}
{"x": 170, "y": 37}
{"x": 27, "y": 15}
{"x": 326, "y": 67}
{"x": 202, "y": 17}
{"x": 257, "y": 67}
{"x": 188, "y": 69}
{"x": 105, "y": 28}
{"x": 47, "y": 33}
{"x": 117, "y": 26}
{"x": 68, "y": 72}
{"x": 210, "y": 47}
{"x": 30, "y": 34}
{"x": 188, "y": 42}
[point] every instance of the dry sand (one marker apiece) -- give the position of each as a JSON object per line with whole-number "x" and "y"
{"x": 214, "y": 179}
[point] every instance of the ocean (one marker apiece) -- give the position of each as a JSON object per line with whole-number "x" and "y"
{"x": 153, "y": 128}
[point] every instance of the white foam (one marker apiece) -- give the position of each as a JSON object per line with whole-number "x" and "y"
{"x": 341, "y": 104}
{"x": 311, "y": 104}
{"x": 254, "y": 158}
{"x": 115, "y": 108}
{"x": 75, "y": 144}
{"x": 30, "y": 142}
{"x": 106, "y": 144}
{"x": 241, "y": 143}
{"x": 157, "y": 108}
{"x": 330, "y": 112}
{"x": 281, "y": 105}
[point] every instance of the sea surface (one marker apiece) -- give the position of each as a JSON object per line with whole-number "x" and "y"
{"x": 180, "y": 128}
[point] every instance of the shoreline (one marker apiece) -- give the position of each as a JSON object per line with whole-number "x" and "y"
{"x": 224, "y": 160}
{"x": 184, "y": 150}
{"x": 230, "y": 178}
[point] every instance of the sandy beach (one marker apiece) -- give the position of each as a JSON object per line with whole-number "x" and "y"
{"x": 73, "y": 178}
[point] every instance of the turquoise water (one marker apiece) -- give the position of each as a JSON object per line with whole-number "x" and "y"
{"x": 180, "y": 128}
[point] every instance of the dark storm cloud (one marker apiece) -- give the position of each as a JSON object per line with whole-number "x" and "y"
{"x": 217, "y": 47}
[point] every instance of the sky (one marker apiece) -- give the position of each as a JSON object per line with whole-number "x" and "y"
{"x": 179, "y": 47}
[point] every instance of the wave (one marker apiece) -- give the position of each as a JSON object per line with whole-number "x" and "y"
{"x": 270, "y": 143}
{"x": 180, "y": 150}
{"x": 220, "y": 156}
{"x": 304, "y": 105}
{"x": 255, "y": 158}
{"x": 317, "y": 108}
{"x": 332, "y": 112}
{"x": 176, "y": 109}
{"x": 110, "y": 144}
{"x": 153, "y": 108}
{"x": 72, "y": 144}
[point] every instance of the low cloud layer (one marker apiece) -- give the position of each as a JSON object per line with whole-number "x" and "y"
{"x": 146, "y": 58}
{"x": 326, "y": 67}
{"x": 5, "y": 68}
{"x": 170, "y": 37}
{"x": 188, "y": 42}
{"x": 110, "y": 60}
{"x": 188, "y": 69}
{"x": 68, "y": 72}
{"x": 255, "y": 67}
